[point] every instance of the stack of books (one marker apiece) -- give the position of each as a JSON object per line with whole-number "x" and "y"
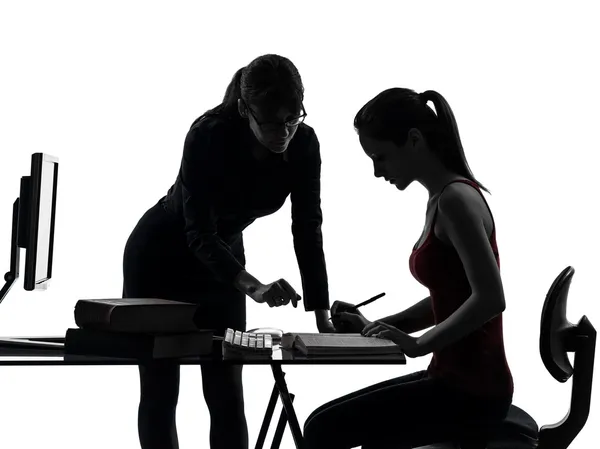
{"x": 139, "y": 328}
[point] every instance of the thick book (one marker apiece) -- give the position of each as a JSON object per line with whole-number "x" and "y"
{"x": 338, "y": 344}
{"x": 138, "y": 346}
{"x": 136, "y": 315}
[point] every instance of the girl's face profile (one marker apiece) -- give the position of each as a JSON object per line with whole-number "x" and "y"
{"x": 391, "y": 162}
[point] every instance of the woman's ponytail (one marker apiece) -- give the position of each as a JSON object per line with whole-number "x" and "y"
{"x": 228, "y": 106}
{"x": 448, "y": 143}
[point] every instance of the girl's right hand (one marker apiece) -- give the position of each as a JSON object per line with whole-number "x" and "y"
{"x": 346, "y": 319}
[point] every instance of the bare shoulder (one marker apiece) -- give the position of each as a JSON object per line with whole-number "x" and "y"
{"x": 460, "y": 194}
{"x": 460, "y": 201}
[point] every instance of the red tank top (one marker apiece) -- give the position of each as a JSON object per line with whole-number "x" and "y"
{"x": 477, "y": 363}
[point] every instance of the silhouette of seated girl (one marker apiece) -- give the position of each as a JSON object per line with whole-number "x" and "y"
{"x": 468, "y": 387}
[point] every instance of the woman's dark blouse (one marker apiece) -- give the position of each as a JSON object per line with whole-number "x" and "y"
{"x": 221, "y": 189}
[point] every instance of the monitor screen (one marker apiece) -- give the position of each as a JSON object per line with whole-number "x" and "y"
{"x": 42, "y": 208}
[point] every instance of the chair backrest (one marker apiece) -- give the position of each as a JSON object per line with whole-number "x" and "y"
{"x": 558, "y": 337}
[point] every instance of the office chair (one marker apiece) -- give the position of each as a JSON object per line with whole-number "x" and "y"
{"x": 557, "y": 337}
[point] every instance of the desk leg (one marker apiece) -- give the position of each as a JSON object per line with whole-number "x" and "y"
{"x": 287, "y": 405}
{"x": 264, "y": 429}
{"x": 280, "y": 427}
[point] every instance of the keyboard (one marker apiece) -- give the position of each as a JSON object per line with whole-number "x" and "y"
{"x": 247, "y": 343}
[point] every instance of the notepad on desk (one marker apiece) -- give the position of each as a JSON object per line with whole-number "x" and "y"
{"x": 338, "y": 344}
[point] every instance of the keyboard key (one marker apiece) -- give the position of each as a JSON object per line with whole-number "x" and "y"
{"x": 229, "y": 335}
{"x": 237, "y": 339}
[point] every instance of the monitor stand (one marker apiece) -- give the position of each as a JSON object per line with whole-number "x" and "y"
{"x": 11, "y": 276}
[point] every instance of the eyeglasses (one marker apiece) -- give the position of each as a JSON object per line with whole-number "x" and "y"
{"x": 271, "y": 126}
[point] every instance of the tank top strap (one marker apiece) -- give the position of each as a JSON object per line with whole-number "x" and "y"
{"x": 476, "y": 187}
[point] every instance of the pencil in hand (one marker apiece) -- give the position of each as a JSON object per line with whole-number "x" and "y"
{"x": 364, "y": 303}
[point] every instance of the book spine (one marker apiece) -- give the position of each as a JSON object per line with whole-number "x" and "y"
{"x": 135, "y": 319}
{"x": 92, "y": 314}
{"x": 154, "y": 319}
{"x": 183, "y": 345}
{"x": 82, "y": 342}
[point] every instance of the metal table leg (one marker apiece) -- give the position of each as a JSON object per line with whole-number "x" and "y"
{"x": 264, "y": 429}
{"x": 280, "y": 384}
{"x": 280, "y": 427}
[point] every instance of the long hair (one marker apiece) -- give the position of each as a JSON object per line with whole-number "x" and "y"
{"x": 391, "y": 114}
{"x": 269, "y": 81}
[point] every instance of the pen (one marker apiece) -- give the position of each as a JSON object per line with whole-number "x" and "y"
{"x": 364, "y": 303}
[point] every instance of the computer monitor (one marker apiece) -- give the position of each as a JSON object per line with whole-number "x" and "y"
{"x": 33, "y": 225}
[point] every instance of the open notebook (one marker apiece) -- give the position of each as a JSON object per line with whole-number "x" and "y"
{"x": 338, "y": 344}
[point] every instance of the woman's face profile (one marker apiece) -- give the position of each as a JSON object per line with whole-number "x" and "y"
{"x": 391, "y": 162}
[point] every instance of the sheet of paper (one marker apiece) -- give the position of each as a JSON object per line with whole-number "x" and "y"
{"x": 343, "y": 340}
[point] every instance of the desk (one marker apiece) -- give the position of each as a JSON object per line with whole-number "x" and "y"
{"x": 39, "y": 357}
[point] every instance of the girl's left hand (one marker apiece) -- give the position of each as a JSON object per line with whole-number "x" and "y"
{"x": 408, "y": 344}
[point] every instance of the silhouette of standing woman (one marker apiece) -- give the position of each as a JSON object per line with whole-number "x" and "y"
{"x": 468, "y": 387}
{"x": 241, "y": 160}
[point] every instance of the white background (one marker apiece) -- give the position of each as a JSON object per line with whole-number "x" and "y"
{"x": 112, "y": 87}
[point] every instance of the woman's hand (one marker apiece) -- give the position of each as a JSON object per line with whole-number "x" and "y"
{"x": 276, "y": 294}
{"x": 346, "y": 319}
{"x": 409, "y": 345}
{"x": 350, "y": 322}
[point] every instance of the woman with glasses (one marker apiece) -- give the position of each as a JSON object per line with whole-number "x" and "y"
{"x": 467, "y": 389}
{"x": 241, "y": 160}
